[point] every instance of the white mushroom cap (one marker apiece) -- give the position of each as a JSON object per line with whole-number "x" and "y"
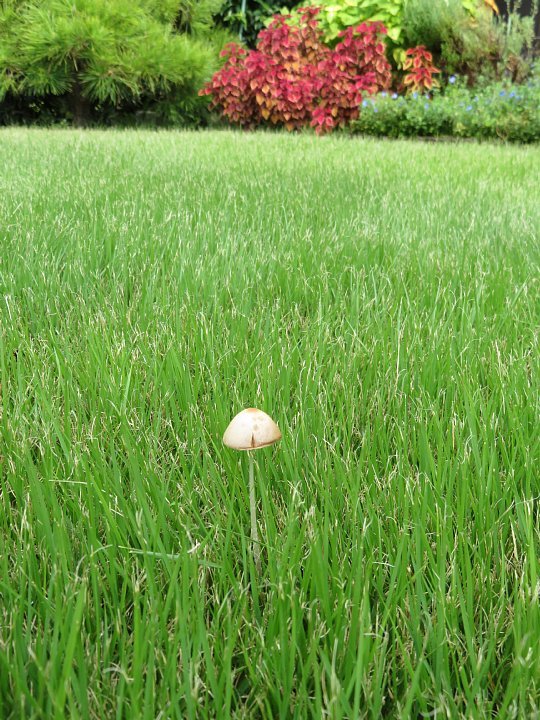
{"x": 250, "y": 430}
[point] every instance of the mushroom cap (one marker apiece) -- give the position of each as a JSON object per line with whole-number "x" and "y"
{"x": 251, "y": 429}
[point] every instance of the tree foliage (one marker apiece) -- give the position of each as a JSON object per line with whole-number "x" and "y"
{"x": 105, "y": 52}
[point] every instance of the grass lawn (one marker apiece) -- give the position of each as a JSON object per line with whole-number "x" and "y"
{"x": 381, "y": 300}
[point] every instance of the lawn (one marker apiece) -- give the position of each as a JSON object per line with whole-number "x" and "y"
{"x": 381, "y": 301}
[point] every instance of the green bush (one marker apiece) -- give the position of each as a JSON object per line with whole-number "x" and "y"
{"x": 480, "y": 46}
{"x": 498, "y": 111}
{"x": 428, "y": 22}
{"x": 85, "y": 59}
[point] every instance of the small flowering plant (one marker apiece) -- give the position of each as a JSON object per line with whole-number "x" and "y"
{"x": 419, "y": 70}
{"x": 293, "y": 79}
{"x": 497, "y": 111}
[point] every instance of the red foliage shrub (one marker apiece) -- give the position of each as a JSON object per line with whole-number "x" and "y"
{"x": 358, "y": 64}
{"x": 293, "y": 79}
{"x": 419, "y": 69}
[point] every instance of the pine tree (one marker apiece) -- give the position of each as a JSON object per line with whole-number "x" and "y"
{"x": 104, "y": 52}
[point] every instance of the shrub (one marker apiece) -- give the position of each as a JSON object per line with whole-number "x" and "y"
{"x": 79, "y": 55}
{"x": 293, "y": 79}
{"x": 419, "y": 70}
{"x": 479, "y": 45}
{"x": 428, "y": 22}
{"x": 489, "y": 48}
{"x": 498, "y": 111}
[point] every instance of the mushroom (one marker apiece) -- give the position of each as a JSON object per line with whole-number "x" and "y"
{"x": 252, "y": 429}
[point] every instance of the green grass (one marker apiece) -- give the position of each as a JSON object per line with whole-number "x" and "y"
{"x": 382, "y": 302}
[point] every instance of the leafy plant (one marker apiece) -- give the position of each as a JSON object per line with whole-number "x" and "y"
{"x": 97, "y": 53}
{"x": 293, "y": 79}
{"x": 498, "y": 111}
{"x": 419, "y": 70}
{"x": 338, "y": 15}
{"x": 357, "y": 64}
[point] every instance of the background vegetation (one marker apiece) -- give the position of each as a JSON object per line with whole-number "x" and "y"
{"x": 106, "y": 62}
{"x": 484, "y": 49}
{"x": 497, "y": 112}
{"x": 249, "y": 18}
{"x": 381, "y": 302}
{"x": 88, "y": 59}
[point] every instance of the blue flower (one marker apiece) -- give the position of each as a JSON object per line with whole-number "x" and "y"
{"x": 468, "y": 108}
{"x": 375, "y": 109}
{"x": 452, "y": 79}
{"x": 384, "y": 94}
{"x": 415, "y": 95}
{"x": 512, "y": 94}
{"x": 364, "y": 103}
{"x": 395, "y": 96}
{"x": 426, "y": 106}
{"x": 502, "y": 93}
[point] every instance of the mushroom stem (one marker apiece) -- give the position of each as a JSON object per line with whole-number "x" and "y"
{"x": 253, "y": 510}
{"x": 251, "y": 430}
